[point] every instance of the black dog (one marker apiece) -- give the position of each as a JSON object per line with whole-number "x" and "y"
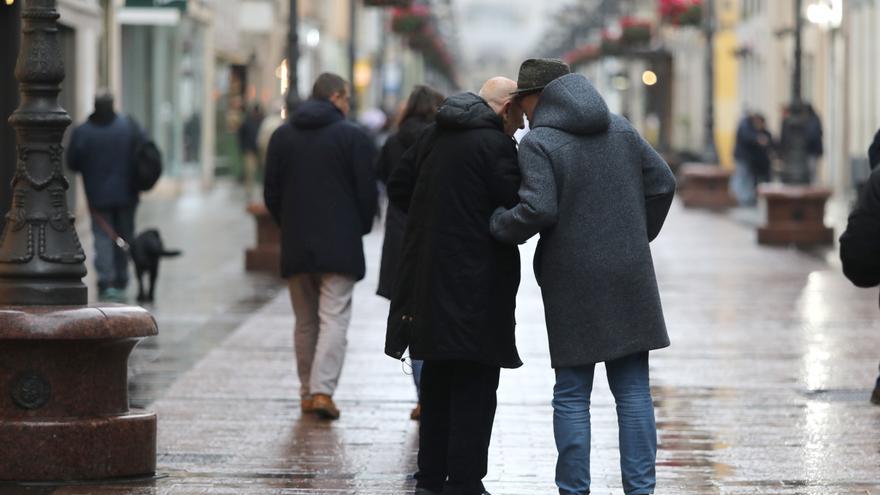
{"x": 146, "y": 250}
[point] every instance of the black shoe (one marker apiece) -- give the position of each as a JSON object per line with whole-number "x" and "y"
{"x": 875, "y": 397}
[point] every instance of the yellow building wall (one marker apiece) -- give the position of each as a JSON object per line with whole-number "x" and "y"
{"x": 727, "y": 112}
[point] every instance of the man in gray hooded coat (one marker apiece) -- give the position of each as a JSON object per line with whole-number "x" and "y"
{"x": 598, "y": 194}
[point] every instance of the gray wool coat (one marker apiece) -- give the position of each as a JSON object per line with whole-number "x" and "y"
{"x": 598, "y": 194}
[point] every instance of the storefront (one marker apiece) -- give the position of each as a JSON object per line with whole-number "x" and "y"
{"x": 167, "y": 64}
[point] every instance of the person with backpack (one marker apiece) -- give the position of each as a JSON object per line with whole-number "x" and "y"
{"x": 104, "y": 150}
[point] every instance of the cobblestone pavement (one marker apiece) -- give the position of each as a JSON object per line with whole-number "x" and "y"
{"x": 764, "y": 390}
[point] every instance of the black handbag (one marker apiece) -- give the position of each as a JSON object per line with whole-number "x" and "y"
{"x": 147, "y": 161}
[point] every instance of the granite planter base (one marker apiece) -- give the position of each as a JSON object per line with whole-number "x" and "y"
{"x": 795, "y": 215}
{"x": 64, "y": 411}
{"x": 266, "y": 256}
{"x": 705, "y": 186}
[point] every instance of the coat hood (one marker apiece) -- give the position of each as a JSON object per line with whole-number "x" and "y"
{"x": 571, "y": 104}
{"x": 467, "y": 111}
{"x": 313, "y": 114}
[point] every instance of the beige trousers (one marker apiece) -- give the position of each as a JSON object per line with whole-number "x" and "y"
{"x": 322, "y": 308}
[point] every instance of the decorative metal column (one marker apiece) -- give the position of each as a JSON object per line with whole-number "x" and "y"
{"x": 41, "y": 260}
{"x": 64, "y": 412}
{"x": 710, "y": 152}
{"x": 293, "y": 57}
{"x": 794, "y": 127}
{"x": 10, "y": 33}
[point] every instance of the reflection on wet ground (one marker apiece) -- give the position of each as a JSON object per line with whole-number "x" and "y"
{"x": 764, "y": 390}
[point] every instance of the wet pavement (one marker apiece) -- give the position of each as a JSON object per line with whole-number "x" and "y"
{"x": 764, "y": 390}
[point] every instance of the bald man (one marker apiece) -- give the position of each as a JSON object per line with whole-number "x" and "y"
{"x": 453, "y": 302}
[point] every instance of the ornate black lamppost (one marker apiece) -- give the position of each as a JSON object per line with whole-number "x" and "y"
{"x": 64, "y": 411}
{"x": 794, "y": 127}
{"x": 292, "y": 57}
{"x": 710, "y": 152}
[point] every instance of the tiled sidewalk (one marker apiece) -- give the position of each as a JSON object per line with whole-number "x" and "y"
{"x": 764, "y": 390}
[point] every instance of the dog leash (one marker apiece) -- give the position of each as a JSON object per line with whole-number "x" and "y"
{"x": 103, "y": 225}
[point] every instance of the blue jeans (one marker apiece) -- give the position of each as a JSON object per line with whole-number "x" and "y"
{"x": 628, "y": 379}
{"x": 111, "y": 262}
{"x": 417, "y": 376}
{"x": 742, "y": 184}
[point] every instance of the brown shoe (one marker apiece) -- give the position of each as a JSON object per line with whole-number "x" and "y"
{"x": 416, "y": 413}
{"x": 875, "y": 397}
{"x": 324, "y": 407}
{"x": 307, "y": 404}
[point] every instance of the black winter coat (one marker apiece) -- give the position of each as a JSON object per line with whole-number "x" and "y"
{"x": 860, "y": 242}
{"x": 320, "y": 188}
{"x": 395, "y": 219}
{"x": 455, "y": 295}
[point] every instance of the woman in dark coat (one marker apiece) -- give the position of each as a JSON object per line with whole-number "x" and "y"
{"x": 418, "y": 114}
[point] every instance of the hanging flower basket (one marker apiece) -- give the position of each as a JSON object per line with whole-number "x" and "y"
{"x": 611, "y": 46}
{"x": 583, "y": 54}
{"x": 635, "y": 32}
{"x": 410, "y": 20}
{"x": 681, "y": 12}
{"x": 387, "y": 3}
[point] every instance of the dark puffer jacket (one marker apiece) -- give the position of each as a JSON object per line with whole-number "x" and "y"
{"x": 320, "y": 188}
{"x": 455, "y": 296}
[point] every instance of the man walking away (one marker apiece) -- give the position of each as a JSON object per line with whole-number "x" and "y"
{"x": 598, "y": 194}
{"x": 860, "y": 243}
{"x": 102, "y": 149}
{"x": 320, "y": 188}
{"x": 455, "y": 294}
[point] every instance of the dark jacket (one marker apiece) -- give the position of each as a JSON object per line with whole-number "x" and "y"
{"x": 874, "y": 151}
{"x": 860, "y": 242}
{"x": 395, "y": 219}
{"x": 455, "y": 296}
{"x": 103, "y": 152}
{"x": 750, "y": 151}
{"x": 598, "y": 194}
{"x": 320, "y": 188}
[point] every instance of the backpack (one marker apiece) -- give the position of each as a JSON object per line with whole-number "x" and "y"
{"x": 147, "y": 160}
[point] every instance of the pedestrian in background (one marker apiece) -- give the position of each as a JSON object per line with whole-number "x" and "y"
{"x": 455, "y": 295}
{"x": 248, "y": 133}
{"x": 815, "y": 146}
{"x": 320, "y": 188}
{"x": 597, "y": 193}
{"x": 860, "y": 243}
{"x": 103, "y": 150}
{"x": 752, "y": 151}
{"x": 417, "y": 115}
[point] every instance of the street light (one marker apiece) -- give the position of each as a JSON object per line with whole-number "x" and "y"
{"x": 64, "y": 374}
{"x": 826, "y": 14}
{"x": 710, "y": 151}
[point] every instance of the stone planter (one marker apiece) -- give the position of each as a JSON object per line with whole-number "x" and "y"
{"x": 266, "y": 256}
{"x": 64, "y": 411}
{"x": 795, "y": 215}
{"x": 705, "y": 186}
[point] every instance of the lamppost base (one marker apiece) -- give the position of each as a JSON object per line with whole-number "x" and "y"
{"x": 795, "y": 215}
{"x": 266, "y": 256}
{"x": 64, "y": 411}
{"x": 705, "y": 186}
{"x": 25, "y": 292}
{"x": 78, "y": 449}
